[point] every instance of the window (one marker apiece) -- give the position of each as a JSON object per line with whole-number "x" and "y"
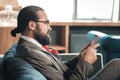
{"x": 98, "y": 10}
{"x": 86, "y": 10}
{"x": 57, "y": 10}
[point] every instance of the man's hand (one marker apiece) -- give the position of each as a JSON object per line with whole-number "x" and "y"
{"x": 89, "y": 54}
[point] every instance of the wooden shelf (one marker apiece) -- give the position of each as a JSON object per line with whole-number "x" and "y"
{"x": 63, "y": 28}
{"x": 109, "y": 24}
{"x": 66, "y": 26}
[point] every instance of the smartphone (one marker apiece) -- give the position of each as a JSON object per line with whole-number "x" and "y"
{"x": 90, "y": 43}
{"x": 94, "y": 41}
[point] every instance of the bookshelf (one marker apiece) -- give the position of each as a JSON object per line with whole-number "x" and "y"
{"x": 60, "y": 34}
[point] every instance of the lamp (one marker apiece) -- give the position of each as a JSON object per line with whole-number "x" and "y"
{"x": 8, "y": 12}
{"x": 14, "y": 4}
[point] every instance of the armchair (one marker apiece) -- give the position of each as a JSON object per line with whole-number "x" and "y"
{"x": 109, "y": 45}
{"x": 18, "y": 69}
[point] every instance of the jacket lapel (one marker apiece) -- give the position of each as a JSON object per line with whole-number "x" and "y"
{"x": 57, "y": 63}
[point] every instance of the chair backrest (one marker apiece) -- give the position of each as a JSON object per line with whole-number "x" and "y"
{"x": 112, "y": 47}
{"x": 18, "y": 69}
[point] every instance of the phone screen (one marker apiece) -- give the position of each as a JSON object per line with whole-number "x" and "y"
{"x": 90, "y": 43}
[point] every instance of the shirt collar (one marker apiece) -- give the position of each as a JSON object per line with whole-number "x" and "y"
{"x": 32, "y": 41}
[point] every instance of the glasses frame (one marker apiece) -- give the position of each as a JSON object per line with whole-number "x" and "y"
{"x": 44, "y": 22}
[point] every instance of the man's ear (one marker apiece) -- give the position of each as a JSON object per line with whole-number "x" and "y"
{"x": 31, "y": 25}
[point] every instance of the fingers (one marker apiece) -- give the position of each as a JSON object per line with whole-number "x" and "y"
{"x": 90, "y": 55}
{"x": 96, "y": 45}
{"x": 95, "y": 50}
{"x": 88, "y": 50}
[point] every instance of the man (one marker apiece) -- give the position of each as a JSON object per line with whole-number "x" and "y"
{"x": 34, "y": 27}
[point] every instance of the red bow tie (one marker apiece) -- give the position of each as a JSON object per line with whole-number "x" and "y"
{"x": 51, "y": 50}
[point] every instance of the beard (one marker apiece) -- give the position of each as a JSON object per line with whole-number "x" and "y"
{"x": 43, "y": 39}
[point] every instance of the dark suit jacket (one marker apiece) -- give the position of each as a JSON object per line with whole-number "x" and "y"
{"x": 50, "y": 65}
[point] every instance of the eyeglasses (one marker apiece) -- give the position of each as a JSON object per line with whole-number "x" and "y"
{"x": 44, "y": 22}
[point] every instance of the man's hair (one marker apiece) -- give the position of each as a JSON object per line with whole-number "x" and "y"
{"x": 25, "y": 15}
